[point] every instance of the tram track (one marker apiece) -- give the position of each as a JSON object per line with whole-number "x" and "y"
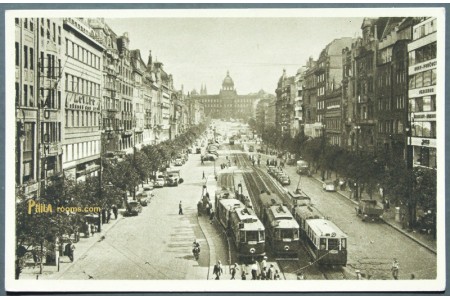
{"x": 290, "y": 268}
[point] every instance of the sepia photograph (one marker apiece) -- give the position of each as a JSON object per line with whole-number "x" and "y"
{"x": 188, "y": 150}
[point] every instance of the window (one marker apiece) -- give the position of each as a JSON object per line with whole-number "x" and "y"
{"x": 31, "y": 95}
{"x": 31, "y": 59}
{"x": 31, "y": 25}
{"x": 17, "y": 94}
{"x": 323, "y": 244}
{"x": 25, "y": 23}
{"x": 17, "y": 21}
{"x": 17, "y": 54}
{"x": 25, "y": 57}
{"x": 25, "y": 95}
{"x": 59, "y": 35}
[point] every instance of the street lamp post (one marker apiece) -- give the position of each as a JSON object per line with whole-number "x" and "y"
{"x": 324, "y": 142}
{"x": 357, "y": 129}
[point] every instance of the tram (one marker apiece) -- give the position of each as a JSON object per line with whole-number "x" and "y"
{"x": 281, "y": 228}
{"x": 244, "y": 226}
{"x": 323, "y": 239}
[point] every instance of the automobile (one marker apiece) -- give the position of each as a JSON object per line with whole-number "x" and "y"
{"x": 285, "y": 180}
{"x": 172, "y": 180}
{"x": 276, "y": 173}
{"x": 160, "y": 182}
{"x": 143, "y": 198}
{"x": 291, "y": 162}
{"x": 148, "y": 186}
{"x": 198, "y": 150}
{"x": 134, "y": 208}
{"x": 329, "y": 186}
{"x": 271, "y": 169}
{"x": 178, "y": 162}
{"x": 280, "y": 175}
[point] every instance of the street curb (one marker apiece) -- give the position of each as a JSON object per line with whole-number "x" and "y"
{"x": 208, "y": 243}
{"x": 386, "y": 222}
{"x": 82, "y": 253}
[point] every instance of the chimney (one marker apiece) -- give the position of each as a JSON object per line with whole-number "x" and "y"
{"x": 149, "y": 63}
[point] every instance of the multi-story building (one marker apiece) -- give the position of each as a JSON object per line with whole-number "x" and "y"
{"x": 265, "y": 113}
{"x": 164, "y": 85}
{"x": 138, "y": 71}
{"x": 228, "y": 104}
{"x": 310, "y": 99}
{"x": 39, "y": 117}
{"x": 422, "y": 93}
{"x": 285, "y": 92}
{"x": 83, "y": 75}
{"x": 328, "y": 74}
{"x": 195, "y": 111}
{"x": 362, "y": 100}
{"x": 111, "y": 122}
{"x": 298, "y": 125}
{"x": 392, "y": 89}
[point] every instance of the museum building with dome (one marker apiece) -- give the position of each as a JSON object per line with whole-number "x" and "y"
{"x": 228, "y": 104}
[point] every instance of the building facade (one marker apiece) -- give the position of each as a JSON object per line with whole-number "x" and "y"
{"x": 422, "y": 93}
{"x": 83, "y": 74}
{"x": 285, "y": 92}
{"x": 228, "y": 104}
{"x": 38, "y": 99}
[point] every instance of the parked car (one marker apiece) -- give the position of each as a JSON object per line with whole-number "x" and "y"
{"x": 172, "y": 180}
{"x": 285, "y": 180}
{"x": 329, "y": 186}
{"x": 134, "y": 208}
{"x": 271, "y": 169}
{"x": 178, "y": 162}
{"x": 148, "y": 186}
{"x": 143, "y": 198}
{"x": 160, "y": 182}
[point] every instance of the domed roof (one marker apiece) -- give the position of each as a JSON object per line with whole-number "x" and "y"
{"x": 228, "y": 81}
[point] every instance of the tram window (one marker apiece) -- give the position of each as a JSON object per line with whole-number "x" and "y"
{"x": 252, "y": 236}
{"x": 343, "y": 244}
{"x": 261, "y": 236}
{"x": 286, "y": 234}
{"x": 277, "y": 234}
{"x": 242, "y": 236}
{"x": 323, "y": 244}
{"x": 295, "y": 234}
{"x": 333, "y": 244}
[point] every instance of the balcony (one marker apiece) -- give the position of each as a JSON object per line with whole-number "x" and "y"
{"x": 127, "y": 133}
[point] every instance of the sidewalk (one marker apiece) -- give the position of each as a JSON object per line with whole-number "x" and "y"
{"x": 81, "y": 247}
{"x": 425, "y": 240}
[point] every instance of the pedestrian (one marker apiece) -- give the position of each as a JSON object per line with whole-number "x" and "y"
{"x": 108, "y": 215}
{"x": 115, "y": 211}
{"x": 235, "y": 162}
{"x": 218, "y": 270}
{"x": 180, "y": 210}
{"x": 199, "y": 207}
{"x": 201, "y": 159}
{"x": 263, "y": 274}
{"x": 395, "y": 267}
{"x": 267, "y": 162}
{"x": 277, "y": 275}
{"x": 254, "y": 270}
{"x": 233, "y": 270}
{"x": 92, "y": 228}
{"x": 208, "y": 209}
{"x": 358, "y": 275}
{"x": 271, "y": 272}
{"x": 203, "y": 177}
{"x": 70, "y": 248}
{"x": 264, "y": 262}
{"x": 211, "y": 216}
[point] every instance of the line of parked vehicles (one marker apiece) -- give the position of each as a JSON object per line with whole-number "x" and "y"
{"x": 279, "y": 175}
{"x": 270, "y": 225}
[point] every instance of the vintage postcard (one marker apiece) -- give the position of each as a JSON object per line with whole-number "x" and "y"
{"x": 210, "y": 149}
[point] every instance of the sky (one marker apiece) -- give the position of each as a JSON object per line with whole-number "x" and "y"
{"x": 255, "y": 51}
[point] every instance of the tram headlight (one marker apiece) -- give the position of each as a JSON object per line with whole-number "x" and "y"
{"x": 252, "y": 250}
